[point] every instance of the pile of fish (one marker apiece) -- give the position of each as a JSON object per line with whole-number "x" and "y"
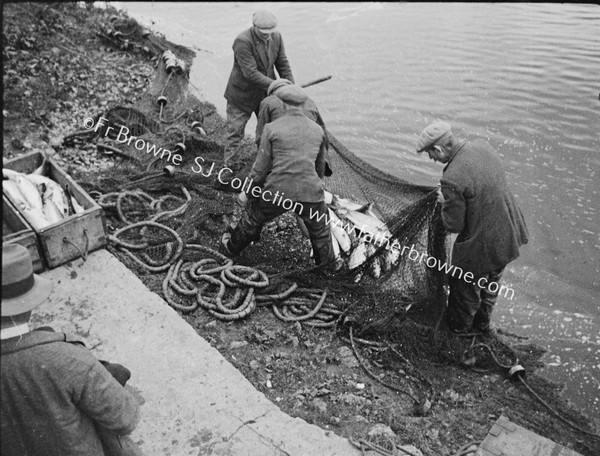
{"x": 357, "y": 234}
{"x": 41, "y": 200}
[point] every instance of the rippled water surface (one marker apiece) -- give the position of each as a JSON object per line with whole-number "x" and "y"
{"x": 526, "y": 77}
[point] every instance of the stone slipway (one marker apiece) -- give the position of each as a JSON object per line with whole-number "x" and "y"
{"x": 194, "y": 402}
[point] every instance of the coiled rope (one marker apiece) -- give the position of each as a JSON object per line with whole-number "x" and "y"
{"x": 225, "y": 290}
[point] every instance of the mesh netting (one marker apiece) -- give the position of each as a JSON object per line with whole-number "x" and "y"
{"x": 385, "y": 257}
{"x": 412, "y": 221}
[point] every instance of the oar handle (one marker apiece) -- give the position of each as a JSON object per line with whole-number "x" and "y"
{"x": 316, "y": 81}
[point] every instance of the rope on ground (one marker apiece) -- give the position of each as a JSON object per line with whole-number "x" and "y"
{"x": 126, "y": 248}
{"x": 375, "y": 377}
{"x": 230, "y": 292}
{"x": 363, "y": 444}
{"x": 466, "y": 449}
{"x": 211, "y": 280}
{"x": 421, "y": 376}
{"x": 554, "y": 412}
{"x": 520, "y": 374}
{"x": 491, "y": 352}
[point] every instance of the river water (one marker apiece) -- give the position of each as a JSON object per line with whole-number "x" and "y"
{"x": 526, "y": 77}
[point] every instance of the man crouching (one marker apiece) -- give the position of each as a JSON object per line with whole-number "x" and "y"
{"x": 287, "y": 175}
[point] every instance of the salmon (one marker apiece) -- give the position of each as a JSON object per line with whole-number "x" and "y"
{"x": 358, "y": 255}
{"x": 340, "y": 235}
{"x": 34, "y": 216}
{"x": 376, "y": 267}
{"x": 30, "y": 192}
{"x": 336, "y": 246}
{"x": 53, "y": 192}
{"x": 51, "y": 212}
{"x": 11, "y": 189}
{"x": 10, "y": 174}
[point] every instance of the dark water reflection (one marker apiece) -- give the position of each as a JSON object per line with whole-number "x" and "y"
{"x": 524, "y": 76}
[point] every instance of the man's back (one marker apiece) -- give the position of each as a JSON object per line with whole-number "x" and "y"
{"x": 52, "y": 393}
{"x": 293, "y": 144}
{"x": 272, "y": 108}
{"x": 484, "y": 211}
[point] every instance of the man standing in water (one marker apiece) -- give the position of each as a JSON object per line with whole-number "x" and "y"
{"x": 478, "y": 205}
{"x": 258, "y": 52}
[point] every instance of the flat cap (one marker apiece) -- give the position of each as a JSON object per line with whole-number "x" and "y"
{"x": 292, "y": 94}
{"x": 276, "y": 84}
{"x": 264, "y": 21}
{"x": 432, "y": 134}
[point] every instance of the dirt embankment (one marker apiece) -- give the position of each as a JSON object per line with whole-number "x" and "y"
{"x": 64, "y": 63}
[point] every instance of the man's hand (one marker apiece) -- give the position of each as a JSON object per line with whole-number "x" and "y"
{"x": 242, "y": 199}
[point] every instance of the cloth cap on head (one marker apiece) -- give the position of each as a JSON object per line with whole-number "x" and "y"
{"x": 292, "y": 94}
{"x": 22, "y": 290}
{"x": 264, "y": 21}
{"x": 276, "y": 84}
{"x": 432, "y": 134}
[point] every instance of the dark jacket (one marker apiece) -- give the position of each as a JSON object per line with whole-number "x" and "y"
{"x": 479, "y": 206}
{"x": 272, "y": 108}
{"x": 291, "y": 159}
{"x": 254, "y": 69}
{"x": 54, "y": 393}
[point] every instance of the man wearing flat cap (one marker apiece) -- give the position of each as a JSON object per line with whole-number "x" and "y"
{"x": 258, "y": 57}
{"x": 287, "y": 174}
{"x": 57, "y": 398}
{"x": 477, "y": 205}
{"x": 272, "y": 108}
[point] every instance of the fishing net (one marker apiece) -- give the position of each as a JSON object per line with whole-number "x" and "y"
{"x": 165, "y": 121}
{"x": 391, "y": 263}
{"x": 400, "y": 267}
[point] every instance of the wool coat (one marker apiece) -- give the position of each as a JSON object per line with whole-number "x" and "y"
{"x": 273, "y": 107}
{"x": 479, "y": 206}
{"x": 291, "y": 159}
{"x": 254, "y": 65}
{"x": 54, "y": 393}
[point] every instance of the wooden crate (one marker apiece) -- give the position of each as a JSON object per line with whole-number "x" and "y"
{"x": 75, "y": 235}
{"x": 16, "y": 230}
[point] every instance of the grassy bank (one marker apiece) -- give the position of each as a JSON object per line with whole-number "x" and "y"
{"x": 64, "y": 63}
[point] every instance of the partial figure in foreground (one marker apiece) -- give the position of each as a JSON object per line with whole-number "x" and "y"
{"x": 287, "y": 175}
{"x": 478, "y": 205}
{"x": 257, "y": 52}
{"x": 57, "y": 398}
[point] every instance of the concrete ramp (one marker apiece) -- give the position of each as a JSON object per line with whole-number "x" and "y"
{"x": 194, "y": 401}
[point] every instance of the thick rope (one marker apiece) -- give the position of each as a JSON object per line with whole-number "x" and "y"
{"x": 188, "y": 284}
{"x": 532, "y": 391}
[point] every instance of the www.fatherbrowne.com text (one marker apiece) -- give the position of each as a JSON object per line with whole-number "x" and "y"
{"x": 247, "y": 186}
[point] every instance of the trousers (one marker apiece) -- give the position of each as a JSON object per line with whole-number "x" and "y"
{"x": 469, "y": 305}
{"x": 258, "y": 212}
{"x": 236, "y": 127}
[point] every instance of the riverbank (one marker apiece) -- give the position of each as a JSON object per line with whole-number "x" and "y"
{"x": 62, "y": 66}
